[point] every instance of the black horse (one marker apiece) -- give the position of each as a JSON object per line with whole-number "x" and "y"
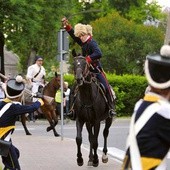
{"x": 90, "y": 108}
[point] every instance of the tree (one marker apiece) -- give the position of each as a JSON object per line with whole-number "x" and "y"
{"x": 31, "y": 27}
{"x": 136, "y": 10}
{"x": 92, "y": 11}
{"x": 148, "y": 11}
{"x": 125, "y": 44}
{"x": 20, "y": 20}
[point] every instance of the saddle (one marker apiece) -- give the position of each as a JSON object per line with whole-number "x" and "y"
{"x": 104, "y": 92}
{"x": 101, "y": 87}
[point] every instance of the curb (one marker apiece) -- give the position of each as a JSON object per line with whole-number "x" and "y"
{"x": 115, "y": 153}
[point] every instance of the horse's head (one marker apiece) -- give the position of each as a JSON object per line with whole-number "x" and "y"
{"x": 81, "y": 69}
{"x": 56, "y": 80}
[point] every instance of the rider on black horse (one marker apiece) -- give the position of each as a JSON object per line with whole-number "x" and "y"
{"x": 82, "y": 35}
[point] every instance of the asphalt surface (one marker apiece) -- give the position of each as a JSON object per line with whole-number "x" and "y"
{"x": 38, "y": 152}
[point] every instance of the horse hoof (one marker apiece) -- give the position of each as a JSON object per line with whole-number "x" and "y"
{"x": 105, "y": 160}
{"x": 56, "y": 135}
{"x": 80, "y": 162}
{"x": 28, "y": 134}
{"x": 49, "y": 128}
{"x": 90, "y": 163}
{"x": 96, "y": 163}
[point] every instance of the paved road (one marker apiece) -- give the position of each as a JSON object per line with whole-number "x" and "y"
{"x": 42, "y": 152}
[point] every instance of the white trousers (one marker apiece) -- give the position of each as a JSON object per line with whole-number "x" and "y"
{"x": 35, "y": 86}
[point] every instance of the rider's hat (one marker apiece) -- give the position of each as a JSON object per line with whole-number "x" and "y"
{"x": 39, "y": 58}
{"x": 14, "y": 87}
{"x": 157, "y": 68}
{"x": 82, "y": 29}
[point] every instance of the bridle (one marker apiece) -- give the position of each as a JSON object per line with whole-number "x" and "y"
{"x": 86, "y": 72}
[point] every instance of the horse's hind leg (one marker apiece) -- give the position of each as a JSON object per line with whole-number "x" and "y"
{"x": 108, "y": 123}
{"x": 54, "y": 130}
{"x": 79, "y": 142}
{"x": 23, "y": 121}
{"x": 52, "y": 124}
{"x": 52, "y": 127}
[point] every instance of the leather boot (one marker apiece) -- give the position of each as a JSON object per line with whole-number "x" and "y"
{"x": 71, "y": 114}
{"x": 111, "y": 104}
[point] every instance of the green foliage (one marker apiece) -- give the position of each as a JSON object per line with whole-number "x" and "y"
{"x": 120, "y": 95}
{"x": 51, "y": 66}
{"x": 137, "y": 10}
{"x": 123, "y": 7}
{"x": 128, "y": 88}
{"x": 69, "y": 78}
{"x": 125, "y": 44}
{"x": 33, "y": 24}
{"x": 145, "y": 12}
{"x": 93, "y": 11}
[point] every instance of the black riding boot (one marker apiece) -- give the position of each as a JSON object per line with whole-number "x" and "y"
{"x": 111, "y": 104}
{"x": 71, "y": 114}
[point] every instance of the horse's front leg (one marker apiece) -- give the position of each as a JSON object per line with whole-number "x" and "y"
{"x": 90, "y": 137}
{"x": 93, "y": 131}
{"x": 95, "y": 143}
{"x": 108, "y": 123}
{"x": 52, "y": 124}
{"x": 79, "y": 126}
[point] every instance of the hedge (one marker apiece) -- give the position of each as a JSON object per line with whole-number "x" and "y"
{"x": 128, "y": 88}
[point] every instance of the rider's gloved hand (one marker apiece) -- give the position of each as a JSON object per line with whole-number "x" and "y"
{"x": 65, "y": 24}
{"x": 88, "y": 60}
{"x": 41, "y": 101}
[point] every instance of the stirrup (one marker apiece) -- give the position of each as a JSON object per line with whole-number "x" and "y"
{"x": 112, "y": 113}
{"x": 71, "y": 114}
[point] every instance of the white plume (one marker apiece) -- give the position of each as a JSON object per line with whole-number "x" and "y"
{"x": 165, "y": 51}
{"x": 19, "y": 79}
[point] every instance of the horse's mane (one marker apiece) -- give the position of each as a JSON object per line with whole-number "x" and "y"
{"x": 52, "y": 86}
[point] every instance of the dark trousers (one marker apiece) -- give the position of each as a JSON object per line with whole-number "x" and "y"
{"x": 58, "y": 108}
{"x": 102, "y": 78}
{"x": 11, "y": 161}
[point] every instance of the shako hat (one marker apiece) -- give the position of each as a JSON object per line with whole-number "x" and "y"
{"x": 157, "y": 68}
{"x": 14, "y": 87}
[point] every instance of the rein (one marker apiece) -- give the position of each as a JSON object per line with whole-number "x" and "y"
{"x": 86, "y": 73}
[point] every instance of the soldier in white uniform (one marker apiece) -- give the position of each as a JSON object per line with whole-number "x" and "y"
{"x": 36, "y": 78}
{"x": 36, "y": 74}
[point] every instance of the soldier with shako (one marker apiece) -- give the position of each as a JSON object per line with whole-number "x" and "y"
{"x": 10, "y": 109}
{"x": 149, "y": 135}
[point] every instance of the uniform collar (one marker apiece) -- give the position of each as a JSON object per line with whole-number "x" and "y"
{"x": 88, "y": 39}
{"x": 6, "y": 100}
{"x": 153, "y": 97}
